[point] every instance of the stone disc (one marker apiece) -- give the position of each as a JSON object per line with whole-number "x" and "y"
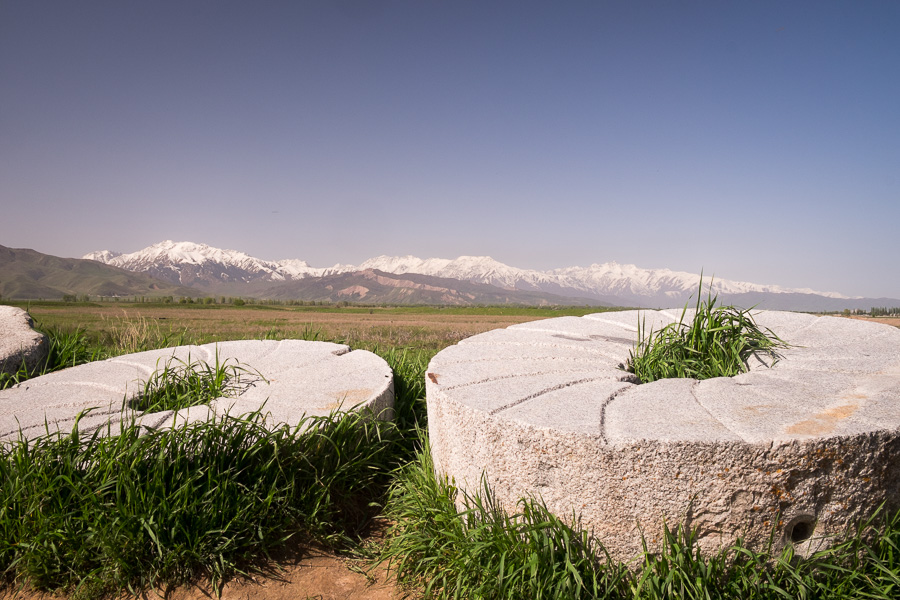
{"x": 285, "y": 380}
{"x": 800, "y": 449}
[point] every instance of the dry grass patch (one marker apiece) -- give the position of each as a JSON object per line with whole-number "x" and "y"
{"x": 135, "y": 327}
{"x": 895, "y": 321}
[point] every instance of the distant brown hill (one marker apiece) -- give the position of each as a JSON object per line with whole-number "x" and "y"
{"x": 373, "y": 286}
{"x": 27, "y": 274}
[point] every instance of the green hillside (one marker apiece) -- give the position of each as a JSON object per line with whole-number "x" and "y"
{"x": 26, "y": 274}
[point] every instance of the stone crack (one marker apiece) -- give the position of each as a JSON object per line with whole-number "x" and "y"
{"x": 603, "y": 406}
{"x": 544, "y": 392}
{"x": 710, "y": 413}
{"x": 517, "y": 375}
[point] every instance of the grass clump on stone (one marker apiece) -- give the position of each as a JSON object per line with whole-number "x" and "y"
{"x": 718, "y": 341}
{"x": 182, "y": 384}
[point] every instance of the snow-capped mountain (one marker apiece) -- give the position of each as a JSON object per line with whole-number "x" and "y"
{"x": 104, "y": 256}
{"x": 187, "y": 263}
{"x": 607, "y": 281}
{"x": 479, "y": 269}
{"x": 629, "y": 280}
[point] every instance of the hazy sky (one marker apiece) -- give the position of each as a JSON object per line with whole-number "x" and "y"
{"x": 758, "y": 141}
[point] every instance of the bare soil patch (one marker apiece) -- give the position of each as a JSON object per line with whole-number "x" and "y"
{"x": 895, "y": 321}
{"x": 319, "y": 576}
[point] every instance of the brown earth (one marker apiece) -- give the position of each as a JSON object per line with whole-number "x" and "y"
{"x": 895, "y": 321}
{"x": 299, "y": 572}
{"x": 319, "y": 576}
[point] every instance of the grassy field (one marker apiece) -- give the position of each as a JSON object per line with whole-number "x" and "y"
{"x": 423, "y": 328}
{"x": 94, "y": 517}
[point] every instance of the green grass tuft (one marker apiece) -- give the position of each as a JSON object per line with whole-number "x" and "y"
{"x": 66, "y": 348}
{"x": 139, "y": 509}
{"x": 717, "y": 342}
{"x": 181, "y": 384}
{"x": 482, "y": 551}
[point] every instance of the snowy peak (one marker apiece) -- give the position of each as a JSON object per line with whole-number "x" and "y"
{"x": 403, "y": 264}
{"x": 194, "y": 254}
{"x": 298, "y": 269}
{"x": 189, "y": 263}
{"x": 478, "y": 269}
{"x": 169, "y": 252}
{"x": 104, "y": 256}
{"x": 485, "y": 269}
{"x": 634, "y": 280}
{"x": 295, "y": 268}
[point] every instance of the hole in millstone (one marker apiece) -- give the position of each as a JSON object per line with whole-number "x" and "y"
{"x": 799, "y": 529}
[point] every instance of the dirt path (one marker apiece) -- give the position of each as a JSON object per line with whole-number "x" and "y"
{"x": 318, "y": 576}
{"x": 321, "y": 576}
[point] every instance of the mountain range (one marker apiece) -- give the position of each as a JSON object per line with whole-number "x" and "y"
{"x": 27, "y": 274}
{"x": 216, "y": 271}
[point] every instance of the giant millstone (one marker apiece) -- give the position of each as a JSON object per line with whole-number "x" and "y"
{"x": 19, "y": 342}
{"x": 287, "y": 381}
{"x": 803, "y": 449}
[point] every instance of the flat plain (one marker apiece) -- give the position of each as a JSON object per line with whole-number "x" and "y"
{"x": 426, "y": 328}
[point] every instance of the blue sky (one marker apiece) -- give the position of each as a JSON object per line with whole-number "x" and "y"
{"x": 758, "y": 141}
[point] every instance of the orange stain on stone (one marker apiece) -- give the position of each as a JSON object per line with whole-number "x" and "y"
{"x": 348, "y": 398}
{"x": 824, "y": 422}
